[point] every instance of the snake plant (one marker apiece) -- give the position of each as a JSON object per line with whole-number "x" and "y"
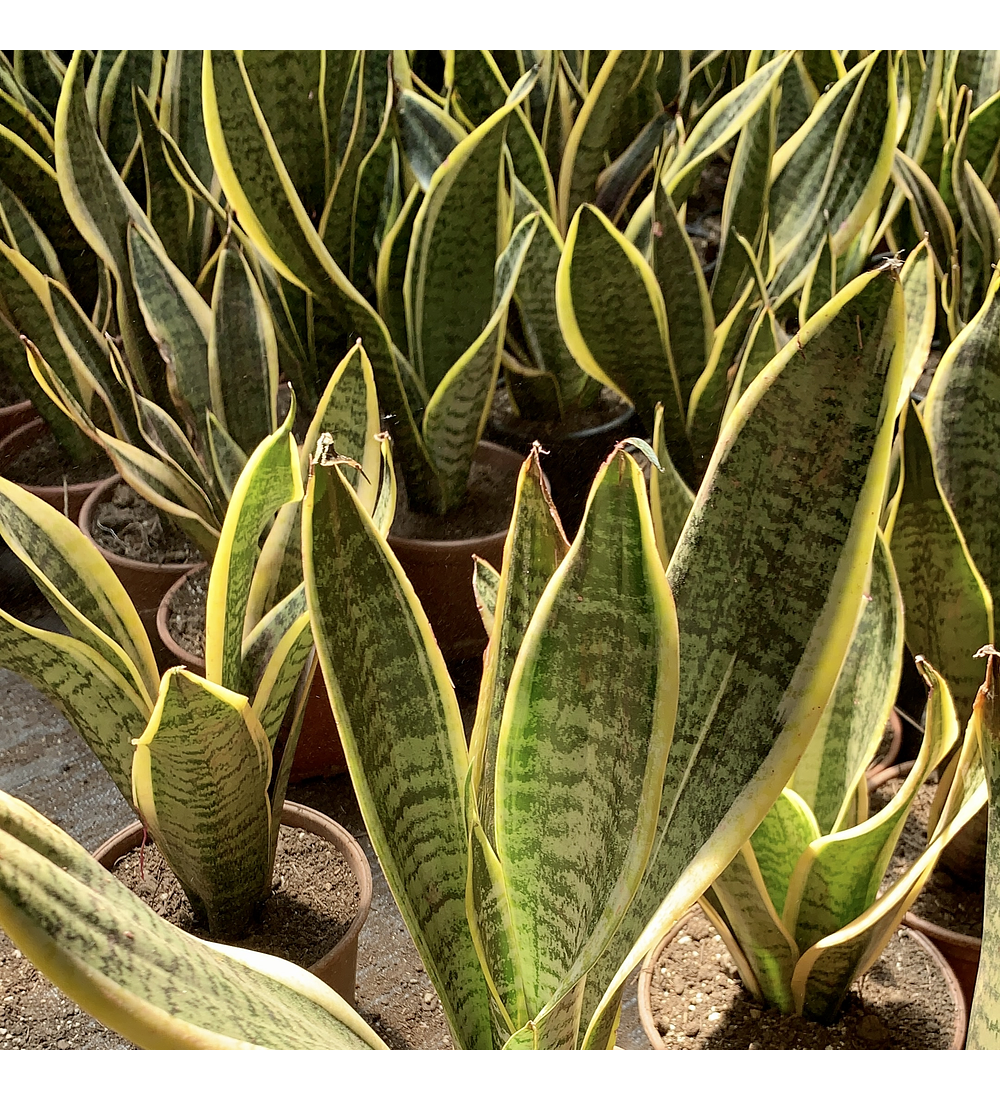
{"x": 153, "y": 983}
{"x": 511, "y": 930}
{"x": 800, "y": 907}
{"x": 194, "y": 754}
{"x": 180, "y": 429}
{"x": 537, "y": 866}
{"x": 984, "y": 1015}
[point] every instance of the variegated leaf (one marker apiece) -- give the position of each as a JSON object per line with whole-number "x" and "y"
{"x": 764, "y": 629}
{"x": 135, "y": 972}
{"x": 401, "y": 729}
{"x": 583, "y": 739}
{"x": 199, "y": 780}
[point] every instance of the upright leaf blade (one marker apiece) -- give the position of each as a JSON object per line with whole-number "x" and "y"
{"x": 402, "y": 734}
{"x": 759, "y": 657}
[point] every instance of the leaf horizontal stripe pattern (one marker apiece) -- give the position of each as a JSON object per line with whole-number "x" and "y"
{"x": 765, "y": 620}
{"x": 583, "y": 739}
{"x": 402, "y": 734}
{"x": 199, "y": 778}
{"x": 151, "y": 982}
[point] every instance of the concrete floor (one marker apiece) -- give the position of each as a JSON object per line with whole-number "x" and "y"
{"x": 45, "y": 762}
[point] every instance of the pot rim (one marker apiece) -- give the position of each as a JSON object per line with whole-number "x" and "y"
{"x": 649, "y": 965}
{"x": 295, "y": 815}
{"x": 184, "y": 657}
{"x": 938, "y": 932}
{"x": 553, "y": 435}
{"x": 498, "y": 450}
{"x": 29, "y": 428}
{"x": 179, "y": 569}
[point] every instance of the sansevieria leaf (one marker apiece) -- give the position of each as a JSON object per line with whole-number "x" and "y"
{"x": 199, "y": 780}
{"x": 764, "y": 628}
{"x": 962, "y": 417}
{"x": 135, "y": 972}
{"x": 584, "y": 734}
{"x": 401, "y": 729}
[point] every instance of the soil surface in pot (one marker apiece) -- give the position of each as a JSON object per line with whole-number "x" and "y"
{"x": 606, "y": 407}
{"x": 46, "y": 463}
{"x": 485, "y": 511}
{"x": 699, "y": 1002}
{"x": 128, "y": 525}
{"x": 186, "y": 620}
{"x": 945, "y": 900}
{"x": 315, "y": 899}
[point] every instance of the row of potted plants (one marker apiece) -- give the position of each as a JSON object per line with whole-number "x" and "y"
{"x": 699, "y": 679}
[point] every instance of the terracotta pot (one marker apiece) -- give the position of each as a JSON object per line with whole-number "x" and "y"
{"x": 934, "y": 957}
{"x": 319, "y": 752}
{"x": 339, "y": 966}
{"x": 68, "y": 498}
{"x": 573, "y": 458}
{"x": 13, "y": 416}
{"x": 440, "y": 571}
{"x": 146, "y": 582}
{"x": 961, "y": 952}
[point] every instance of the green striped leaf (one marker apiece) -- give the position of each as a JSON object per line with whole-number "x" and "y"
{"x": 719, "y": 125}
{"x": 837, "y": 879}
{"x": 690, "y": 321}
{"x": 455, "y": 243}
{"x": 170, "y": 203}
{"x": 427, "y": 134}
{"x": 260, "y": 190}
{"x": 30, "y": 177}
{"x": 584, "y": 737}
{"x": 26, "y": 305}
{"x": 601, "y": 279}
{"x": 199, "y": 781}
{"x": 486, "y": 584}
{"x": 670, "y": 499}
{"x": 488, "y": 913}
{"x": 583, "y": 156}
{"x": 949, "y": 611}
{"x": 751, "y": 893}
{"x": 116, "y": 121}
{"x": 763, "y": 635}
{"x": 242, "y": 354}
{"x": 347, "y": 223}
{"x": 851, "y": 726}
{"x": 348, "y": 412}
{"x": 270, "y": 479}
{"x": 920, "y": 292}
{"x": 101, "y": 704}
{"x": 102, "y": 209}
{"x": 963, "y": 426}
{"x": 535, "y": 295}
{"x": 228, "y": 458}
{"x": 178, "y": 319}
{"x": 764, "y": 340}
{"x": 79, "y": 584}
{"x": 621, "y": 179}
{"x": 931, "y": 214}
{"x": 744, "y": 208}
{"x": 391, "y": 268}
{"x": 831, "y": 182}
{"x": 165, "y": 488}
{"x": 401, "y": 729}
{"x": 456, "y": 415}
{"x": 534, "y": 547}
{"x": 180, "y": 111}
{"x": 135, "y": 972}
{"x": 274, "y": 655}
{"x": 20, "y": 230}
